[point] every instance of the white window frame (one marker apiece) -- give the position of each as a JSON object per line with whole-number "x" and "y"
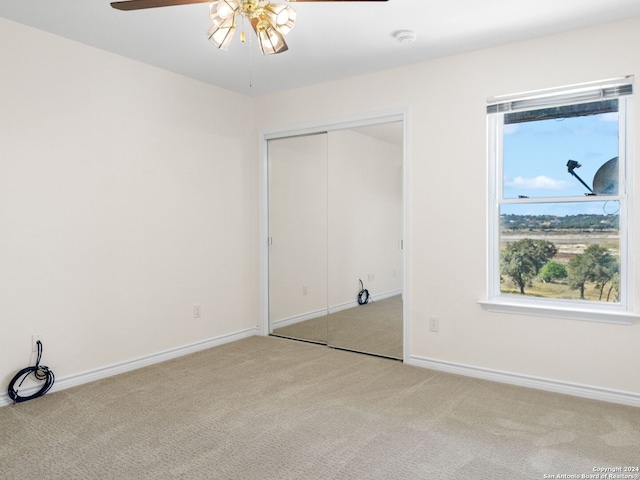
{"x": 620, "y": 312}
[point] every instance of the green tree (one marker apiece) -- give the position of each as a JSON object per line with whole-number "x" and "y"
{"x": 606, "y": 269}
{"x": 551, "y": 271}
{"x": 522, "y": 260}
{"x": 615, "y": 285}
{"x": 579, "y": 272}
{"x": 595, "y": 265}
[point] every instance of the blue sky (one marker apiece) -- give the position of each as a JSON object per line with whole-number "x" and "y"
{"x": 536, "y": 155}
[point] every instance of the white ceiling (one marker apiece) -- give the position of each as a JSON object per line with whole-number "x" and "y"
{"x": 331, "y": 40}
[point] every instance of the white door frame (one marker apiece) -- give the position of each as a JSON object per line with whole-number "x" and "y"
{"x": 314, "y": 128}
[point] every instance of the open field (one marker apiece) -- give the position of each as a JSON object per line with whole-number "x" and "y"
{"x": 558, "y": 289}
{"x": 569, "y": 244}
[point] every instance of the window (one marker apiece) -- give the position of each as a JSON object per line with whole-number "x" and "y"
{"x": 559, "y": 203}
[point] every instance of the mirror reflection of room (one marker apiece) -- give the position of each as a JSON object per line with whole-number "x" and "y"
{"x": 335, "y": 226}
{"x": 298, "y": 237}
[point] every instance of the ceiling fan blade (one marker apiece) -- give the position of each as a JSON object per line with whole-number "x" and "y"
{"x": 140, "y": 4}
{"x": 298, "y": 1}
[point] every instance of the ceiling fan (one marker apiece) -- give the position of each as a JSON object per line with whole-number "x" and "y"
{"x": 269, "y": 21}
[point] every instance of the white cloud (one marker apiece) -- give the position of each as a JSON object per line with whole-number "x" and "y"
{"x": 540, "y": 182}
{"x": 609, "y": 117}
{"x": 510, "y": 128}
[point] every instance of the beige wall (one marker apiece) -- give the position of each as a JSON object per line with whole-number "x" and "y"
{"x": 298, "y": 228}
{"x": 124, "y": 202}
{"x": 445, "y": 100}
{"x": 125, "y": 199}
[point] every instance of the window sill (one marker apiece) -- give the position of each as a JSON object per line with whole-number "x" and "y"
{"x": 571, "y": 312}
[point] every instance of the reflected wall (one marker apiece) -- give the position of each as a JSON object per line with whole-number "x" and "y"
{"x": 298, "y": 237}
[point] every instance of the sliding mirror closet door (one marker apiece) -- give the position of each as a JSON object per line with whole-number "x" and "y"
{"x": 298, "y": 237}
{"x": 335, "y": 233}
{"x": 365, "y": 181}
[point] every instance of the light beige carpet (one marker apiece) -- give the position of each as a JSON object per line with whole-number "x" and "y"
{"x": 374, "y": 328}
{"x": 271, "y": 408}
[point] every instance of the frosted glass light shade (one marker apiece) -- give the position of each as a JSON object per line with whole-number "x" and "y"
{"x": 271, "y": 41}
{"x": 222, "y": 11}
{"x": 281, "y": 17}
{"x": 221, "y": 36}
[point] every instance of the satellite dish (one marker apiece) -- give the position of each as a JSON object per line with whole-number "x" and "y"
{"x": 605, "y": 181}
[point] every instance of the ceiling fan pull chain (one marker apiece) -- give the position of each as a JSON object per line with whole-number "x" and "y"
{"x": 250, "y": 60}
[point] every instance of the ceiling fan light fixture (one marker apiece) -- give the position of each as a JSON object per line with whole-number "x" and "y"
{"x": 221, "y": 36}
{"x": 270, "y": 22}
{"x": 282, "y": 17}
{"x": 223, "y": 11}
{"x": 270, "y": 39}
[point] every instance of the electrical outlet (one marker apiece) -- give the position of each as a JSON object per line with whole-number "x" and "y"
{"x": 434, "y": 324}
{"x": 197, "y": 311}
{"x": 34, "y": 341}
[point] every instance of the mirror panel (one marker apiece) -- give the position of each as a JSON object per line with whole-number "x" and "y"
{"x": 365, "y": 218}
{"x": 298, "y": 237}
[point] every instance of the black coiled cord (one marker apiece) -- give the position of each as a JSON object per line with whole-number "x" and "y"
{"x": 41, "y": 373}
{"x": 363, "y": 295}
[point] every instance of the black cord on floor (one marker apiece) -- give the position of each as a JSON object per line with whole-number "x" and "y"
{"x": 41, "y": 373}
{"x": 363, "y": 295}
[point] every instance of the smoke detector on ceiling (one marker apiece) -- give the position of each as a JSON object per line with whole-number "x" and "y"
{"x": 405, "y": 37}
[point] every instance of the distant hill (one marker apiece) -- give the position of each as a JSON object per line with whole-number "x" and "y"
{"x": 552, "y": 222}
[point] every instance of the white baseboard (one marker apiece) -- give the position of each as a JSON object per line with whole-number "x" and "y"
{"x": 284, "y": 322}
{"x": 567, "y": 388}
{"x": 126, "y": 366}
{"x": 354, "y": 303}
{"x": 303, "y": 317}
